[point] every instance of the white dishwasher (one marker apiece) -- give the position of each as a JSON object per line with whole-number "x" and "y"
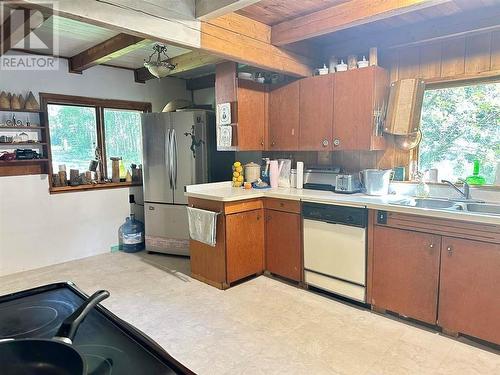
{"x": 335, "y": 249}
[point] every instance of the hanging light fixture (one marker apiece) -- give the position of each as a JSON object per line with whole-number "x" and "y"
{"x": 161, "y": 66}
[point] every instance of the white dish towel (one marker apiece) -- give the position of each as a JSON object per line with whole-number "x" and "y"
{"x": 202, "y": 225}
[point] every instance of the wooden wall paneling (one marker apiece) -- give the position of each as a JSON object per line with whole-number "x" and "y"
{"x": 477, "y": 53}
{"x": 430, "y": 61}
{"x": 453, "y": 57}
{"x": 409, "y": 60}
{"x": 495, "y": 51}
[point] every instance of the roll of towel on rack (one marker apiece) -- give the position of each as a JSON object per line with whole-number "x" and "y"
{"x": 202, "y": 225}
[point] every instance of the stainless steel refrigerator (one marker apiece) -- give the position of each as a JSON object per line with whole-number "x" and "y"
{"x": 179, "y": 149}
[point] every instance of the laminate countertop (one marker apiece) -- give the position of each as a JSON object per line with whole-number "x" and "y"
{"x": 224, "y": 192}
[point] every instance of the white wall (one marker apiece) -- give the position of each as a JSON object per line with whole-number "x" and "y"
{"x": 39, "y": 229}
{"x": 204, "y": 96}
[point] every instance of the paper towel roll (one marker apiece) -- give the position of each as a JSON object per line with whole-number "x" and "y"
{"x": 300, "y": 175}
{"x": 273, "y": 173}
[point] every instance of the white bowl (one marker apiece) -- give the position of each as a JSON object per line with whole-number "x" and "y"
{"x": 244, "y": 75}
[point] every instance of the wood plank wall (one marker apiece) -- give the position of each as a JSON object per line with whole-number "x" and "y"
{"x": 445, "y": 62}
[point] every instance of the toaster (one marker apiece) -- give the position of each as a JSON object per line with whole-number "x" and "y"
{"x": 347, "y": 183}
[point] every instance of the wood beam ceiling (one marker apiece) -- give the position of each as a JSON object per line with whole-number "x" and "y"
{"x": 209, "y": 9}
{"x": 343, "y": 16}
{"x": 17, "y": 26}
{"x": 232, "y": 37}
{"x": 184, "y": 63}
{"x": 112, "y": 48}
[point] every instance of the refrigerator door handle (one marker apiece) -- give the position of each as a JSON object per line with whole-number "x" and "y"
{"x": 174, "y": 161}
{"x": 168, "y": 158}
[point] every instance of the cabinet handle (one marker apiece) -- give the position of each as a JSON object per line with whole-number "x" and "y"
{"x": 272, "y": 143}
{"x": 262, "y": 142}
{"x": 450, "y": 250}
{"x": 325, "y": 143}
{"x": 431, "y": 246}
{"x": 336, "y": 142}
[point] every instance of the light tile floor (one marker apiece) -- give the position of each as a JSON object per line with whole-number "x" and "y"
{"x": 262, "y": 326}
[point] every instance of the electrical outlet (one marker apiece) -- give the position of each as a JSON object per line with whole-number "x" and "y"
{"x": 131, "y": 198}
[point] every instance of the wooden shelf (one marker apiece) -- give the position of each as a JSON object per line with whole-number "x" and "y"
{"x": 27, "y": 161}
{"x": 20, "y": 111}
{"x": 23, "y": 144}
{"x": 22, "y": 127}
{"x": 110, "y": 185}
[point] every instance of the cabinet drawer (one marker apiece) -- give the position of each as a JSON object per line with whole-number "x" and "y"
{"x": 282, "y": 205}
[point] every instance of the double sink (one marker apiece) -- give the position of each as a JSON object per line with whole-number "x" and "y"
{"x": 451, "y": 205}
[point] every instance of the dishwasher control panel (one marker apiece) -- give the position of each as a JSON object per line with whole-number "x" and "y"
{"x": 335, "y": 214}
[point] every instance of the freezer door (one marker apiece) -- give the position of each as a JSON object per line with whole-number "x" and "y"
{"x": 189, "y": 152}
{"x": 156, "y": 134}
{"x": 166, "y": 228}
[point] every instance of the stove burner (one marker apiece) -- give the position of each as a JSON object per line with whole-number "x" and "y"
{"x": 33, "y": 321}
{"x": 100, "y": 358}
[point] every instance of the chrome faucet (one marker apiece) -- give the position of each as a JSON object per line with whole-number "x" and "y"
{"x": 465, "y": 193}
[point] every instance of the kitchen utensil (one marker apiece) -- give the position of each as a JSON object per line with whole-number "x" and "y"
{"x": 347, "y": 183}
{"x": 375, "y": 181}
{"x": 49, "y": 356}
{"x": 342, "y": 67}
{"x": 406, "y": 142}
{"x": 252, "y": 172}
{"x": 363, "y": 63}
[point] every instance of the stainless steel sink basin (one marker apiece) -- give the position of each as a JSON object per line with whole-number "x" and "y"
{"x": 426, "y": 203}
{"x": 483, "y": 208}
{"x": 450, "y": 205}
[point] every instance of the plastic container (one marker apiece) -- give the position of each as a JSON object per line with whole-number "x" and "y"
{"x": 131, "y": 235}
{"x": 476, "y": 179}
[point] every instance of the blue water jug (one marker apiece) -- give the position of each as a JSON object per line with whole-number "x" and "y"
{"x": 131, "y": 235}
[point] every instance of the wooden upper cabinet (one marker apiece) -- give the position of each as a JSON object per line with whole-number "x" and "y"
{"x": 358, "y": 95}
{"x": 252, "y": 116}
{"x": 316, "y": 113}
{"x": 405, "y": 272}
{"x": 248, "y": 108}
{"x": 469, "y": 295}
{"x": 284, "y": 118}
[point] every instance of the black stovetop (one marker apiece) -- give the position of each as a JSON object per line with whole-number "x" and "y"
{"x": 108, "y": 344}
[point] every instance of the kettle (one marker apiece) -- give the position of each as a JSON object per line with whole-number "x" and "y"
{"x": 375, "y": 181}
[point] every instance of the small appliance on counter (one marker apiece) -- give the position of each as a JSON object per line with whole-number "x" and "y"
{"x": 347, "y": 184}
{"x": 321, "y": 178}
{"x": 375, "y": 181}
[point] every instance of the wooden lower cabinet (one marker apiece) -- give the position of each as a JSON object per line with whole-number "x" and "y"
{"x": 469, "y": 295}
{"x": 244, "y": 244}
{"x": 283, "y": 244}
{"x": 405, "y": 274}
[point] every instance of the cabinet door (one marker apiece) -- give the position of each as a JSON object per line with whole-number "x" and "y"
{"x": 283, "y": 239}
{"x": 244, "y": 244}
{"x": 284, "y": 118}
{"x": 469, "y": 295}
{"x": 405, "y": 272}
{"x": 353, "y": 121}
{"x": 316, "y": 113}
{"x": 251, "y": 119}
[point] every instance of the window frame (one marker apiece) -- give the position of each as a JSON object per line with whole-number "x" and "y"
{"x": 100, "y": 105}
{"x": 436, "y": 84}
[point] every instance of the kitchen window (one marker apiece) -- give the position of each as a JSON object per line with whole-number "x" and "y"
{"x": 79, "y": 125}
{"x": 459, "y": 125}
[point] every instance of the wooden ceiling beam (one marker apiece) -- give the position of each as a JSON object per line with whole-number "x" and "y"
{"x": 230, "y": 37}
{"x": 110, "y": 49}
{"x": 17, "y": 26}
{"x": 184, "y": 63}
{"x": 209, "y": 9}
{"x": 343, "y": 16}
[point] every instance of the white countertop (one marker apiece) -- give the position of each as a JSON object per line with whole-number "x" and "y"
{"x": 224, "y": 192}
